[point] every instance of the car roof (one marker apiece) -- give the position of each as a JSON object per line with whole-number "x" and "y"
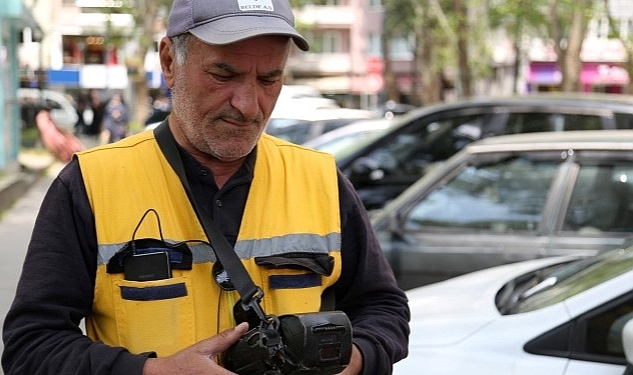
{"x": 542, "y": 100}
{"x": 586, "y": 139}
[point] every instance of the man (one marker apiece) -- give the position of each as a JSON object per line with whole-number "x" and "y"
{"x": 295, "y": 222}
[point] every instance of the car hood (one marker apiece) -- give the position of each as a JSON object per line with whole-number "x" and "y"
{"x": 447, "y": 312}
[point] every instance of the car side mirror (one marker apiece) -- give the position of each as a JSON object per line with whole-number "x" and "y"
{"x": 627, "y": 344}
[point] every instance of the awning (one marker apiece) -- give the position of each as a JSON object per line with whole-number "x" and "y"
{"x": 603, "y": 74}
{"x": 607, "y": 74}
{"x": 544, "y": 73}
{"x": 90, "y": 76}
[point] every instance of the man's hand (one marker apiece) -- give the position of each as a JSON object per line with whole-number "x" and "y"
{"x": 198, "y": 359}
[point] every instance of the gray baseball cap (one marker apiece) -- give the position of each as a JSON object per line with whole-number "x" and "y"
{"x": 229, "y": 21}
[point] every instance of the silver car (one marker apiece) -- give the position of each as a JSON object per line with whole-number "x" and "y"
{"x": 512, "y": 198}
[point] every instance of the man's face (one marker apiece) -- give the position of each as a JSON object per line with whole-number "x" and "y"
{"x": 224, "y": 95}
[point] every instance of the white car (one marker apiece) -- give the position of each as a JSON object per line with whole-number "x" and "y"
{"x": 551, "y": 316}
{"x": 343, "y": 140}
{"x": 61, "y": 107}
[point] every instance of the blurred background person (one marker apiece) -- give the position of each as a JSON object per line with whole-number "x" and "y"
{"x": 81, "y": 126}
{"x": 97, "y": 108}
{"x": 115, "y": 120}
{"x": 90, "y": 112}
{"x": 161, "y": 107}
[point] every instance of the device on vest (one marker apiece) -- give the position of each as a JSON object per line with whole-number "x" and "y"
{"x": 147, "y": 266}
{"x": 148, "y": 259}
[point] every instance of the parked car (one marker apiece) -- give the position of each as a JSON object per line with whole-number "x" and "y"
{"x": 347, "y": 138}
{"x": 553, "y": 316}
{"x": 61, "y": 107}
{"x": 390, "y": 109}
{"x": 511, "y": 198}
{"x": 382, "y": 169}
{"x": 302, "y": 124}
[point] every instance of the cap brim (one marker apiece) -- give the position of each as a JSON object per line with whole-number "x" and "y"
{"x": 233, "y": 29}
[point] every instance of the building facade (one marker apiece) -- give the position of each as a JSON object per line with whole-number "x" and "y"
{"x": 88, "y": 44}
{"x": 85, "y": 45}
{"x": 345, "y": 59}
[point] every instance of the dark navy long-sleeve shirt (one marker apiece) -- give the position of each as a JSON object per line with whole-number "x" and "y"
{"x": 42, "y": 332}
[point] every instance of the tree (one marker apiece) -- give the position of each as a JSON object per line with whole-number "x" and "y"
{"x": 403, "y": 17}
{"x": 447, "y": 34}
{"x": 397, "y": 22}
{"x": 521, "y": 19}
{"x": 148, "y": 15}
{"x": 568, "y": 20}
{"x": 627, "y": 43}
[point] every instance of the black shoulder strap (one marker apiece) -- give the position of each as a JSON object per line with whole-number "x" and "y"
{"x": 223, "y": 250}
{"x": 242, "y": 281}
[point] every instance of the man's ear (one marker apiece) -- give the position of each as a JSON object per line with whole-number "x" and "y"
{"x": 167, "y": 61}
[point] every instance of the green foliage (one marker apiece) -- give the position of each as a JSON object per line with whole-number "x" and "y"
{"x": 30, "y": 137}
{"x": 400, "y": 15}
{"x": 519, "y": 17}
{"x": 437, "y": 25}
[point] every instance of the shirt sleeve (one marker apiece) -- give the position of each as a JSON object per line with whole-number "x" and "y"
{"x": 367, "y": 290}
{"x": 42, "y": 330}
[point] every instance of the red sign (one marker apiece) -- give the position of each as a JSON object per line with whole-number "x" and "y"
{"x": 375, "y": 65}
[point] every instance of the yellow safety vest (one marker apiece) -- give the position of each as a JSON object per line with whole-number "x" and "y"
{"x": 292, "y": 207}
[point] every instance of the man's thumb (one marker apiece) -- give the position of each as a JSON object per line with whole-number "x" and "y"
{"x": 225, "y": 339}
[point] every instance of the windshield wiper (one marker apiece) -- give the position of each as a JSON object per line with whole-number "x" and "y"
{"x": 544, "y": 284}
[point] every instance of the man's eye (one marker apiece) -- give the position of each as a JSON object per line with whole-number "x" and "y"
{"x": 222, "y": 78}
{"x": 268, "y": 82}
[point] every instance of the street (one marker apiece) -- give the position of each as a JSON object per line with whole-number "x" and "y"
{"x": 16, "y": 225}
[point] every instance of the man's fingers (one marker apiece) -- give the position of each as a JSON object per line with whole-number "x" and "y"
{"x": 223, "y": 340}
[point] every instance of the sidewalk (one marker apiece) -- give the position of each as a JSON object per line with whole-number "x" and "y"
{"x": 33, "y": 165}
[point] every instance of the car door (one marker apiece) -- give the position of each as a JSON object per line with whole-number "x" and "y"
{"x": 592, "y": 340}
{"x": 403, "y": 156}
{"x": 481, "y": 213}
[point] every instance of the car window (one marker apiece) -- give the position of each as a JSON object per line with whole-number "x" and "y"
{"x": 501, "y": 196}
{"x": 624, "y": 120}
{"x": 598, "y": 332}
{"x": 601, "y": 200}
{"x": 345, "y": 145}
{"x": 530, "y": 122}
{"x": 409, "y": 152}
{"x": 291, "y": 130}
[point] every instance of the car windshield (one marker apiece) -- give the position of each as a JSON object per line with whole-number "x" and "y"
{"x": 573, "y": 279}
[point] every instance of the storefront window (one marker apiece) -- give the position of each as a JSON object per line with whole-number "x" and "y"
{"x": 80, "y": 50}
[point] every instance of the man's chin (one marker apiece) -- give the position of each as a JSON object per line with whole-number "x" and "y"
{"x": 230, "y": 156}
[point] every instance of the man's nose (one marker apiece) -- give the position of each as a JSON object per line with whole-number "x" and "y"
{"x": 245, "y": 100}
